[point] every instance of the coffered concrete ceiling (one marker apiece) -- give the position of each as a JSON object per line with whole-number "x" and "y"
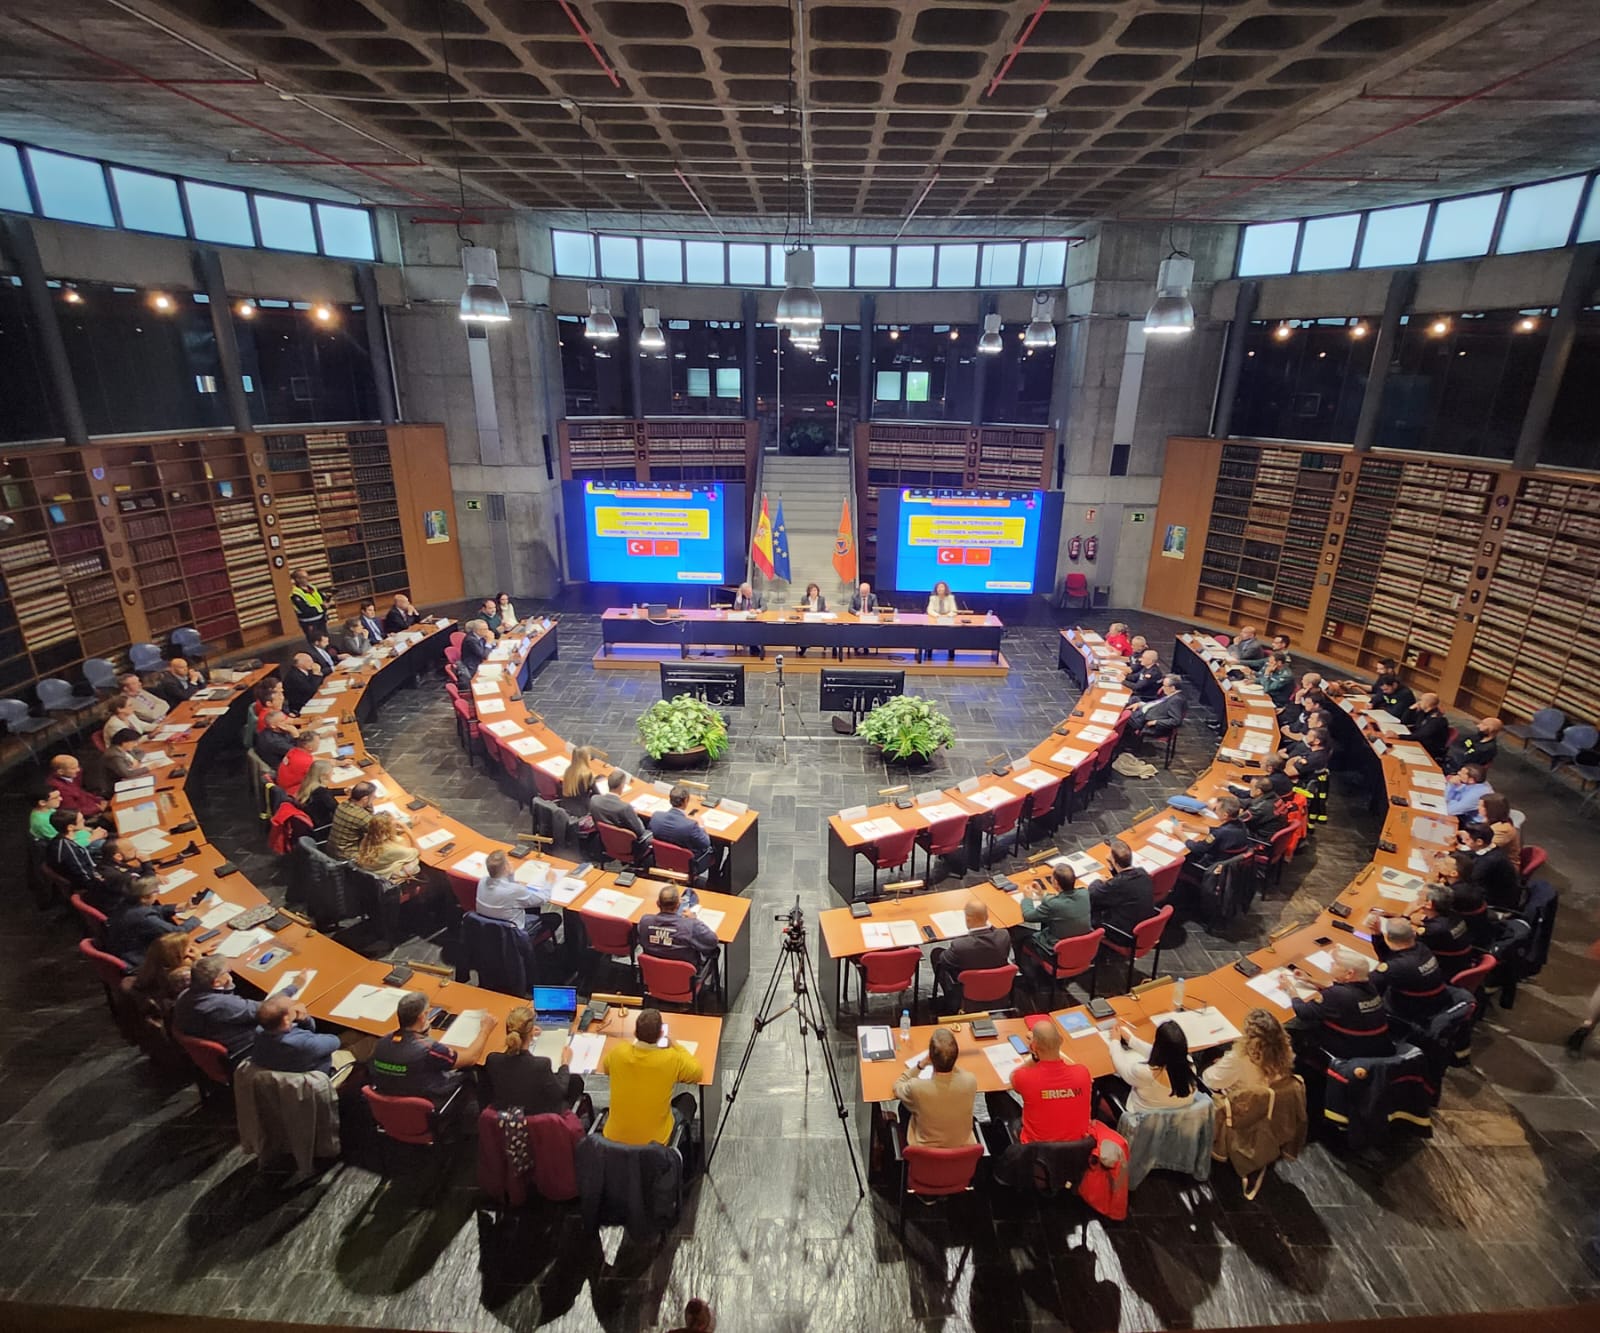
{"x": 1074, "y": 110}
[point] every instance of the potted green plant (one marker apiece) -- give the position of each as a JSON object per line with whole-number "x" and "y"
{"x": 681, "y": 732}
{"x": 907, "y": 729}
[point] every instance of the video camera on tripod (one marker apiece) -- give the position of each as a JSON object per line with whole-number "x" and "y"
{"x": 794, "y": 929}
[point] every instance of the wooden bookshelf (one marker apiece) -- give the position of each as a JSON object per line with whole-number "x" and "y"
{"x": 913, "y": 453}
{"x": 659, "y": 449}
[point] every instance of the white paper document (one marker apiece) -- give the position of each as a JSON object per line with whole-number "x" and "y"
{"x": 489, "y": 707}
{"x": 989, "y": 797}
{"x": 889, "y": 934}
{"x": 131, "y": 819}
{"x": 240, "y": 942}
{"x": 949, "y": 924}
{"x": 464, "y": 1031}
{"x": 211, "y": 710}
{"x": 1095, "y": 735}
{"x": 1105, "y": 716}
{"x": 157, "y": 759}
{"x": 556, "y": 765}
{"x": 1069, "y": 757}
{"x": 375, "y": 1004}
{"x": 1428, "y": 781}
{"x": 1321, "y": 959}
{"x": 1430, "y": 802}
{"x": 1203, "y": 1027}
{"x": 1118, "y": 699}
{"x": 711, "y": 916}
{"x": 130, "y": 787}
{"x": 1279, "y": 987}
{"x": 1085, "y": 866}
{"x": 1003, "y": 1056}
{"x": 152, "y": 842}
{"x": 503, "y": 729}
{"x": 870, "y": 830}
{"x": 718, "y": 820}
{"x": 1261, "y": 722}
{"x": 176, "y": 879}
{"x": 587, "y": 1048}
{"x": 613, "y": 902}
{"x": 300, "y": 980}
{"x": 219, "y": 915}
{"x": 1256, "y": 742}
{"x": 1034, "y": 778}
{"x": 525, "y": 745}
{"x": 474, "y": 865}
{"x": 340, "y": 776}
{"x": 567, "y": 892}
{"x": 649, "y": 803}
{"x": 316, "y": 706}
{"x": 1167, "y": 843}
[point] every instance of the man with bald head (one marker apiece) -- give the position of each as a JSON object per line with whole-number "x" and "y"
{"x": 287, "y": 1040}
{"x": 1053, "y": 1090}
{"x": 1480, "y": 749}
{"x": 983, "y": 946}
{"x": 178, "y": 682}
{"x": 1428, "y": 725}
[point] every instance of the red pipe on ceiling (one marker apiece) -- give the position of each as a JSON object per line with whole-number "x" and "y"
{"x": 1005, "y": 66}
{"x": 140, "y": 76}
{"x": 577, "y": 26}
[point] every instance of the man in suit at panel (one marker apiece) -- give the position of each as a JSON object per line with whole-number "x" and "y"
{"x": 1248, "y": 650}
{"x": 983, "y": 946}
{"x": 745, "y": 599}
{"x": 672, "y": 825}
{"x": 475, "y": 647}
{"x": 402, "y": 615}
{"x": 1162, "y": 713}
{"x": 178, "y": 682}
{"x": 1493, "y": 873}
{"x": 371, "y": 623}
{"x": 865, "y": 601}
{"x": 321, "y": 653}
{"x": 1127, "y": 898}
{"x": 608, "y": 807}
{"x": 1145, "y": 677}
{"x": 302, "y": 678}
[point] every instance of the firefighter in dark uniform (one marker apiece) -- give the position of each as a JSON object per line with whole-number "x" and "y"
{"x": 1346, "y": 1019}
{"x": 1444, "y": 933}
{"x": 1408, "y": 976}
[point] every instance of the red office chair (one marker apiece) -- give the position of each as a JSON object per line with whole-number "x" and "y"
{"x": 464, "y": 887}
{"x": 1082, "y": 777}
{"x": 213, "y": 1069}
{"x": 457, "y": 638}
{"x": 1164, "y": 881}
{"x": 1039, "y": 808}
{"x": 987, "y": 986}
{"x": 612, "y": 937}
{"x": 1070, "y": 959}
{"x": 547, "y": 784}
{"x": 680, "y": 860}
{"x": 889, "y": 853}
{"x": 1279, "y": 851}
{"x": 1223, "y": 640}
{"x": 98, "y": 740}
{"x": 1472, "y": 978}
{"x": 452, "y": 656}
{"x": 675, "y": 980}
{"x": 889, "y": 972}
{"x": 1451, "y": 735}
{"x": 944, "y": 838}
{"x": 935, "y": 1172}
{"x": 1532, "y": 861}
{"x": 93, "y": 919}
{"x": 109, "y": 969}
{"x": 1146, "y": 937}
{"x": 491, "y": 749}
{"x": 1075, "y": 586}
{"x": 619, "y": 844}
{"x": 519, "y": 775}
{"x": 467, "y": 729}
{"x": 1107, "y": 752}
{"x": 411, "y": 1120}
{"x": 1002, "y": 820}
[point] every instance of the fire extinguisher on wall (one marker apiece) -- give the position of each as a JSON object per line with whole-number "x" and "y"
{"x": 1075, "y": 549}
{"x": 1091, "y": 548}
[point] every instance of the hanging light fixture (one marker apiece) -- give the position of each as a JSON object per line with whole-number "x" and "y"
{"x": 482, "y": 301}
{"x": 651, "y": 337}
{"x": 799, "y": 308}
{"x": 1172, "y": 313}
{"x": 989, "y": 342}
{"x": 600, "y": 325}
{"x": 1041, "y": 330}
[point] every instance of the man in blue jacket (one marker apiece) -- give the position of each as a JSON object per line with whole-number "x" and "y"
{"x": 287, "y": 1040}
{"x": 672, "y": 825}
{"x": 212, "y": 1010}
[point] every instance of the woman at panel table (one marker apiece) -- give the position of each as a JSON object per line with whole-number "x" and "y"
{"x": 813, "y": 601}
{"x": 579, "y": 782}
{"x": 508, "y": 613}
{"x": 315, "y": 797}
{"x": 940, "y": 600}
{"x": 387, "y": 849}
{"x": 1258, "y": 1059}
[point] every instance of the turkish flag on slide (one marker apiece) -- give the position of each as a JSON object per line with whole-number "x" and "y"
{"x": 638, "y": 547}
{"x": 949, "y": 555}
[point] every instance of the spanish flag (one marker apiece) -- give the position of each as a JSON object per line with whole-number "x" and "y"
{"x": 844, "y": 551}
{"x": 761, "y": 543}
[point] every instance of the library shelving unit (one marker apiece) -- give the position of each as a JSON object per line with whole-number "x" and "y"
{"x": 126, "y": 539}
{"x": 658, "y": 449}
{"x": 938, "y": 453}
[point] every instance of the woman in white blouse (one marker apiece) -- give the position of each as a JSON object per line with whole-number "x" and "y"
{"x": 1159, "y": 1076}
{"x": 1260, "y": 1058}
{"x": 508, "y": 613}
{"x": 940, "y": 602}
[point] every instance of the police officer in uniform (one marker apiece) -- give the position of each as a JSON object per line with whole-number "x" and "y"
{"x": 1408, "y": 976}
{"x": 1346, "y": 1019}
{"x": 667, "y": 933}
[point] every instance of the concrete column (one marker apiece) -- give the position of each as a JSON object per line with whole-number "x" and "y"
{"x": 1557, "y": 351}
{"x": 377, "y": 343}
{"x": 981, "y": 369}
{"x": 23, "y": 247}
{"x": 747, "y": 379}
{"x": 869, "y": 313}
{"x": 628, "y": 345}
{"x": 1402, "y": 287}
{"x": 1244, "y": 310}
{"x": 208, "y": 272}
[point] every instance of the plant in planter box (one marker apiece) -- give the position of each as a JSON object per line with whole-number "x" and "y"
{"x": 907, "y": 728}
{"x": 672, "y": 726}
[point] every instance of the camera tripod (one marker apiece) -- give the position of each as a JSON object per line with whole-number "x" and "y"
{"x": 807, "y": 1009}
{"x": 785, "y": 707}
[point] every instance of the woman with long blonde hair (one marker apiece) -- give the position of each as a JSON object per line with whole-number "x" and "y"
{"x": 1259, "y": 1058}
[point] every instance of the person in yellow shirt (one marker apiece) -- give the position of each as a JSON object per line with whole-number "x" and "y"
{"x": 643, "y": 1074}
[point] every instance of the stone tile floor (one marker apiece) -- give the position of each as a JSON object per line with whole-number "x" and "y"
{"x": 116, "y": 1191}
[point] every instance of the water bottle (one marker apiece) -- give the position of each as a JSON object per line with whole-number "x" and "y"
{"x": 1177, "y": 994}
{"x": 905, "y": 1025}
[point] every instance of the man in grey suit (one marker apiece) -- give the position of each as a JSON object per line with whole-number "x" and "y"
{"x": 1162, "y": 713}
{"x": 608, "y": 807}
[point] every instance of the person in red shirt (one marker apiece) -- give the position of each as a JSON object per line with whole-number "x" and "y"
{"x": 297, "y": 763}
{"x": 1054, "y": 1091}
{"x": 66, "y": 776}
{"x": 1119, "y": 642}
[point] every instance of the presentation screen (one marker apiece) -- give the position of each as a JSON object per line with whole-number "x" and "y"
{"x": 663, "y": 534}
{"x": 982, "y": 543}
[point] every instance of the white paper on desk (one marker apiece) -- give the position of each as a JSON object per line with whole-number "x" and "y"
{"x": 464, "y": 1031}
{"x": 326, "y": 748}
{"x": 1203, "y": 1027}
{"x": 219, "y": 915}
{"x": 649, "y": 803}
{"x": 333, "y": 685}
{"x": 503, "y": 729}
{"x": 1391, "y": 878}
{"x": 301, "y": 980}
{"x": 390, "y": 808}
{"x": 211, "y": 710}
{"x": 1034, "y": 778}
{"x": 1117, "y": 699}
{"x": 939, "y": 810}
{"x": 1419, "y": 861}
{"x": 1261, "y": 722}
{"x": 1248, "y": 689}
{"x": 316, "y": 706}
{"x": 1105, "y": 716}
{"x": 1427, "y": 801}
{"x": 1256, "y": 743}
{"x": 133, "y": 787}
{"x": 1003, "y": 1056}
{"x": 951, "y": 924}
{"x": 348, "y": 773}
{"x": 1438, "y": 831}
{"x": 176, "y": 879}
{"x": 690, "y": 1046}
{"x": 1383, "y": 717}
{"x": 918, "y": 1060}
{"x": 157, "y": 759}
{"x": 524, "y": 745}
{"x": 1153, "y": 862}
{"x": 1279, "y": 987}
{"x": 613, "y": 902}
{"x": 480, "y": 685}
{"x": 989, "y": 797}
{"x": 1094, "y": 735}
{"x": 711, "y": 916}
{"x": 533, "y": 872}
{"x": 1408, "y": 753}
{"x": 1322, "y": 960}
{"x": 1428, "y": 781}
{"x": 1068, "y": 757}
{"x": 132, "y": 818}
{"x": 813, "y": 617}
{"x": 475, "y": 864}
{"x": 1167, "y": 843}
{"x": 587, "y": 1048}
{"x": 489, "y": 707}
{"x": 556, "y": 765}
{"x": 167, "y": 732}
{"x": 567, "y": 892}
{"x": 875, "y": 935}
{"x": 152, "y": 842}
{"x": 240, "y": 942}
{"x": 717, "y": 820}
{"x": 1085, "y": 866}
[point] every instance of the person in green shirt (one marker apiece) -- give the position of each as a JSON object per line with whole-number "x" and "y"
{"x": 46, "y": 800}
{"x": 489, "y": 613}
{"x": 1060, "y": 908}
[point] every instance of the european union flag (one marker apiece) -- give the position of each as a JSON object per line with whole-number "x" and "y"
{"x": 780, "y": 545}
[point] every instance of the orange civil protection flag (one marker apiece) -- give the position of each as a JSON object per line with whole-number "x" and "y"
{"x": 761, "y": 543}
{"x": 844, "y": 551}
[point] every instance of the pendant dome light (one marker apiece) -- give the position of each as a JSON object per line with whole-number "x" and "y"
{"x": 600, "y": 325}
{"x": 1041, "y": 330}
{"x": 651, "y": 337}
{"x": 989, "y": 342}
{"x": 799, "y": 308}
{"x": 482, "y": 302}
{"x": 1172, "y": 313}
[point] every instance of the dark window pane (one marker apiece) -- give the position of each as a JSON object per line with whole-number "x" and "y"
{"x": 1305, "y": 385}
{"x": 921, "y": 373}
{"x": 818, "y": 404}
{"x": 1571, "y": 440}
{"x": 1017, "y": 382}
{"x": 28, "y": 413}
{"x": 594, "y": 375}
{"x": 298, "y": 370}
{"x": 698, "y": 371}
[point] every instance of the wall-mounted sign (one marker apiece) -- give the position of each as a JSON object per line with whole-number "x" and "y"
{"x": 1088, "y": 515}
{"x": 1139, "y": 516}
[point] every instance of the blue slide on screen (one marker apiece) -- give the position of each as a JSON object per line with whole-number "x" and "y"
{"x": 660, "y": 533}
{"x": 984, "y": 542}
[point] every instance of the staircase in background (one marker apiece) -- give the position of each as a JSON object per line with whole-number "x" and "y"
{"x": 813, "y": 488}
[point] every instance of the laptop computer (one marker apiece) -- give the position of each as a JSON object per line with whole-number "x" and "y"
{"x": 553, "y": 1009}
{"x": 656, "y": 610}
